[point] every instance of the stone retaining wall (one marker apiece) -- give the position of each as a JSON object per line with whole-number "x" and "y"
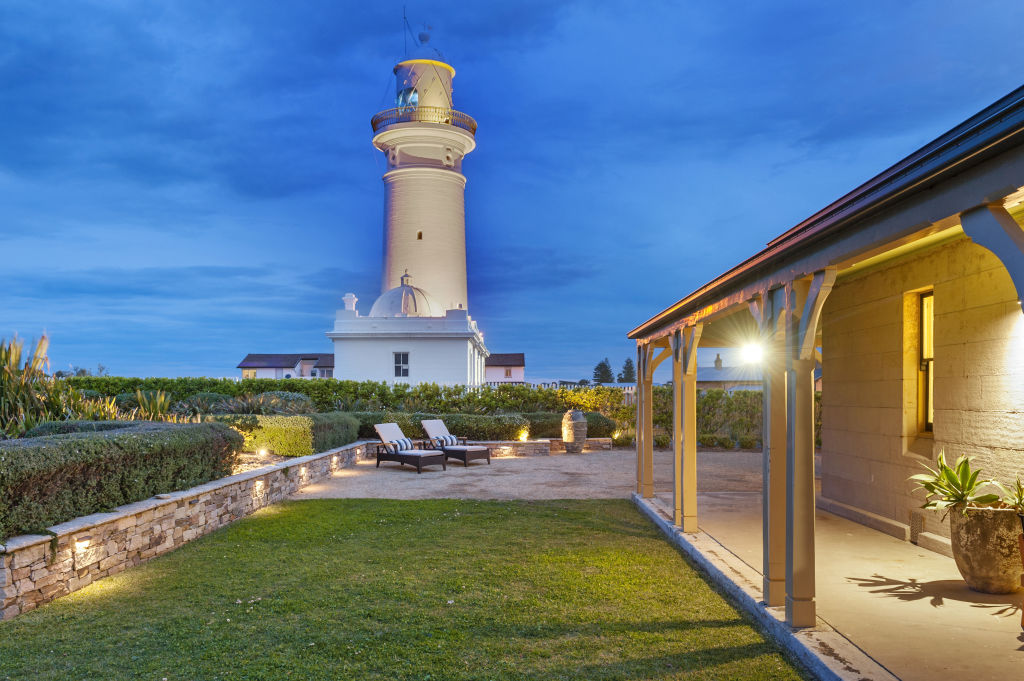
{"x": 501, "y": 448}
{"x": 35, "y": 569}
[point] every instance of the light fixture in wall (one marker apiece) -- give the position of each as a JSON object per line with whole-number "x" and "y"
{"x": 82, "y": 543}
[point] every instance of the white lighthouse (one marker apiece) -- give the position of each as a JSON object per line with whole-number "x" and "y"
{"x": 419, "y": 329}
{"x": 424, "y": 140}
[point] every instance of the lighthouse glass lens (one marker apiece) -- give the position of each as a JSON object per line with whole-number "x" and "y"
{"x": 407, "y": 98}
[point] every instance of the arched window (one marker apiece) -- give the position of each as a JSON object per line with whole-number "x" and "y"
{"x": 419, "y": 236}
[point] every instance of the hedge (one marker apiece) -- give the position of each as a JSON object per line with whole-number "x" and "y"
{"x": 330, "y": 394}
{"x": 64, "y": 427}
{"x": 472, "y": 426}
{"x": 54, "y": 478}
{"x": 547, "y": 424}
{"x": 736, "y": 414}
{"x": 297, "y": 435}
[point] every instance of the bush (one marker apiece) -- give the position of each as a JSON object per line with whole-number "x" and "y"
{"x": 266, "y": 403}
{"x": 65, "y": 427}
{"x": 333, "y": 394}
{"x": 599, "y": 425}
{"x": 292, "y": 435}
{"x": 472, "y": 426}
{"x": 749, "y": 443}
{"x": 662, "y": 441}
{"x": 547, "y": 424}
{"x": 200, "y": 403}
{"x": 52, "y": 479}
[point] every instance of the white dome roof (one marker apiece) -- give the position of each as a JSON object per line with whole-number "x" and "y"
{"x": 406, "y": 301}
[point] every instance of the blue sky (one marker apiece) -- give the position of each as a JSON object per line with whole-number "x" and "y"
{"x": 183, "y": 183}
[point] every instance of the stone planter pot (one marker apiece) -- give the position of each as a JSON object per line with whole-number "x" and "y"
{"x": 985, "y": 548}
{"x": 574, "y": 431}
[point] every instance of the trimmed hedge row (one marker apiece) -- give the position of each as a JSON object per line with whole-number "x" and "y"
{"x": 473, "y": 426}
{"x": 329, "y": 394}
{"x": 54, "y": 478}
{"x": 547, "y": 424}
{"x": 298, "y": 435}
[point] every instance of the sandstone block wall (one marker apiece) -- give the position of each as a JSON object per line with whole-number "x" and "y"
{"x": 870, "y": 440}
{"x": 35, "y": 569}
{"x": 540, "y": 447}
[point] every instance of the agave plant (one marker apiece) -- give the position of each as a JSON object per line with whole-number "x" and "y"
{"x": 200, "y": 403}
{"x": 154, "y": 405}
{"x": 948, "y": 486}
{"x": 264, "y": 403}
{"x": 24, "y": 387}
{"x": 1014, "y": 495}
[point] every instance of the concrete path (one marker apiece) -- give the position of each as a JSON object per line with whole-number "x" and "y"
{"x": 904, "y": 606}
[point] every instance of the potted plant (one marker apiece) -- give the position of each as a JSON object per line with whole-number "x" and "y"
{"x": 984, "y": 530}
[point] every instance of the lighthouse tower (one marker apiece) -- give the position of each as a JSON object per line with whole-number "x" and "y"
{"x": 424, "y": 140}
{"x": 419, "y": 329}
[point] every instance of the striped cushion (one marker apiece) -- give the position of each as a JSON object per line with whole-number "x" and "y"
{"x": 401, "y": 444}
{"x": 446, "y": 440}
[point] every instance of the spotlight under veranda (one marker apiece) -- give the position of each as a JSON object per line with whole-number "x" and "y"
{"x": 752, "y": 353}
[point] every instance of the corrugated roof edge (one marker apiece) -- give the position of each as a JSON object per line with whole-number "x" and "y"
{"x": 997, "y": 127}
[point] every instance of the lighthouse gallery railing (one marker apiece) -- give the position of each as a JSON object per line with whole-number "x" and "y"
{"x": 423, "y": 114}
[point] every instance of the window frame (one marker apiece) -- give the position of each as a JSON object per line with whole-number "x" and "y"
{"x": 926, "y": 357}
{"x": 401, "y": 364}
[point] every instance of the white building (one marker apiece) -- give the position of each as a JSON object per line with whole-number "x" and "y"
{"x": 505, "y": 367}
{"x": 422, "y": 333}
{"x": 297, "y": 365}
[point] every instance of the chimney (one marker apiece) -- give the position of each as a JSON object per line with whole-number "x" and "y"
{"x": 350, "y": 301}
{"x": 718, "y": 361}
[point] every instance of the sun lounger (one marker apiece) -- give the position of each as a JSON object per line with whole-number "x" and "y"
{"x": 395, "y": 446}
{"x": 453, "y": 447}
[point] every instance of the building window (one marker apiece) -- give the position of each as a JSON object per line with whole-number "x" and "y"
{"x": 508, "y": 373}
{"x": 327, "y": 373}
{"x": 926, "y": 379}
{"x": 401, "y": 364}
{"x": 419, "y": 236}
{"x": 248, "y": 373}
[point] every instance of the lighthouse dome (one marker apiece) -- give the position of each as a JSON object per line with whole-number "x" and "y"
{"x": 405, "y": 300}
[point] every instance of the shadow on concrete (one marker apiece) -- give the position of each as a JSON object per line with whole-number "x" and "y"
{"x": 937, "y": 592}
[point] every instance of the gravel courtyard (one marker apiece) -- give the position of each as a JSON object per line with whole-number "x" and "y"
{"x": 592, "y": 475}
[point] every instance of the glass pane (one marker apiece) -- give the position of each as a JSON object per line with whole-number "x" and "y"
{"x": 927, "y": 326}
{"x": 931, "y": 394}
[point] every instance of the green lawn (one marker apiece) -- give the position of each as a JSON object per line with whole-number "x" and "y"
{"x": 372, "y": 589}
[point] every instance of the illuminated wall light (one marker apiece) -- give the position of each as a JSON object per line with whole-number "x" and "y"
{"x": 524, "y": 434}
{"x": 262, "y": 452}
{"x": 752, "y": 353}
{"x": 82, "y": 543}
{"x": 302, "y": 471}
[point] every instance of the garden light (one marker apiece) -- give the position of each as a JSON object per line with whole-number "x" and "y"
{"x": 752, "y": 353}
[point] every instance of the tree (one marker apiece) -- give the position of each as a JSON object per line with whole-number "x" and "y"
{"x": 584, "y": 381}
{"x": 628, "y": 373}
{"x": 603, "y": 372}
